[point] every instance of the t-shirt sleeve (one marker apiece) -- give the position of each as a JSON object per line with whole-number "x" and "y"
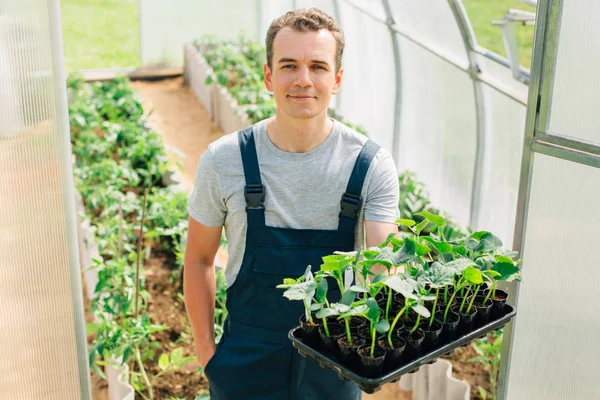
{"x": 207, "y": 203}
{"x": 381, "y": 204}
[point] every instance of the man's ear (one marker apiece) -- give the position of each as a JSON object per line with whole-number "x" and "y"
{"x": 337, "y": 85}
{"x": 268, "y": 78}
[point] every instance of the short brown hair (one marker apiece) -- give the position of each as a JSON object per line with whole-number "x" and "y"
{"x": 306, "y": 20}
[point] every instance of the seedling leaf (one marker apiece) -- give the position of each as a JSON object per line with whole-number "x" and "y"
{"x": 508, "y": 272}
{"x": 382, "y": 326}
{"x": 434, "y": 219}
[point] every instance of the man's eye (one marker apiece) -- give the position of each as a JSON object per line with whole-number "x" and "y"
{"x": 318, "y": 66}
{"x": 288, "y": 66}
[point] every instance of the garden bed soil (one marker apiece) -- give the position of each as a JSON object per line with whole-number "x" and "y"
{"x": 166, "y": 308}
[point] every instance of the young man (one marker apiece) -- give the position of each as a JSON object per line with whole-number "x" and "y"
{"x": 288, "y": 190}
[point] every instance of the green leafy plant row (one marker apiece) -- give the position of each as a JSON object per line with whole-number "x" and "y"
{"x": 117, "y": 159}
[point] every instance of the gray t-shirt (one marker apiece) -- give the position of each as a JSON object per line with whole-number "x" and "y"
{"x": 303, "y": 190}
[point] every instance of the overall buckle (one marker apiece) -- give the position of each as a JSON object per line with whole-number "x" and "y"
{"x": 350, "y": 205}
{"x": 254, "y": 195}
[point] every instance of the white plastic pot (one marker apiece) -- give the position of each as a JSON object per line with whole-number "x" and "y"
{"x": 118, "y": 386}
{"x": 435, "y": 382}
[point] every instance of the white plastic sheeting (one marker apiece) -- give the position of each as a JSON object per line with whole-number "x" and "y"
{"x": 431, "y": 21}
{"x": 501, "y": 165}
{"x": 368, "y": 90}
{"x": 438, "y": 131}
{"x": 166, "y": 26}
{"x": 269, "y": 10}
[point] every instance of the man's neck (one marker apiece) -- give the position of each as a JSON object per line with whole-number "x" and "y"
{"x": 298, "y": 135}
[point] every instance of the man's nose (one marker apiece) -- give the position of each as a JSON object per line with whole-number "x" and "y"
{"x": 303, "y": 78}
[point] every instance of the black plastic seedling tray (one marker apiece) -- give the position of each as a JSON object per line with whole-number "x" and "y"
{"x": 371, "y": 385}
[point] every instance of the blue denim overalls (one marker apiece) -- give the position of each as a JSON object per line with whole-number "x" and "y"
{"x": 255, "y": 359}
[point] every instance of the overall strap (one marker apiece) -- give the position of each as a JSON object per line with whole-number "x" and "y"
{"x": 254, "y": 191}
{"x": 352, "y": 201}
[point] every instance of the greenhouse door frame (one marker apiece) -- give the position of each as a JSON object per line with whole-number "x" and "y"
{"x": 539, "y": 140}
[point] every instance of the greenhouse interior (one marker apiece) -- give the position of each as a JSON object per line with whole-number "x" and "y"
{"x": 488, "y": 108}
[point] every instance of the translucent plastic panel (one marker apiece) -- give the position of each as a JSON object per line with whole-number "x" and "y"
{"x": 165, "y": 28}
{"x": 269, "y": 10}
{"x": 503, "y": 75}
{"x": 431, "y": 19}
{"x": 503, "y": 143}
{"x": 576, "y": 96}
{"x": 373, "y": 7}
{"x": 369, "y": 86}
{"x": 325, "y": 5}
{"x": 42, "y": 330}
{"x": 438, "y": 128}
{"x": 555, "y": 347}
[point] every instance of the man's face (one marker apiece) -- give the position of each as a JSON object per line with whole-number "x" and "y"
{"x": 303, "y": 76}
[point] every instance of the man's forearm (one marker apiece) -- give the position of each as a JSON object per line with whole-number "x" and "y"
{"x": 199, "y": 294}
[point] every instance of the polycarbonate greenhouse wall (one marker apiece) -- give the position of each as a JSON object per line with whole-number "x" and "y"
{"x": 42, "y": 327}
{"x": 415, "y": 77}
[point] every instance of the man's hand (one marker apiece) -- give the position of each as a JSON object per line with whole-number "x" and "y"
{"x": 204, "y": 352}
{"x": 199, "y": 286}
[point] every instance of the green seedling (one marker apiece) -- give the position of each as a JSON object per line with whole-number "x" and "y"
{"x": 421, "y": 311}
{"x": 303, "y": 288}
{"x": 505, "y": 269}
{"x": 322, "y": 303}
{"x": 444, "y": 250}
{"x": 437, "y": 277}
{"x": 409, "y": 288}
{"x": 390, "y": 258}
{"x": 428, "y": 218}
{"x": 375, "y": 324}
{"x": 470, "y": 276}
{"x": 340, "y": 268}
{"x": 345, "y": 312}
